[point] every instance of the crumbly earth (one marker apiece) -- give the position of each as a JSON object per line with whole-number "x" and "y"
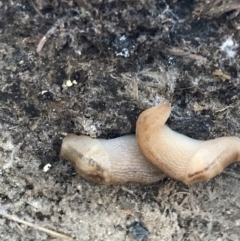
{"x": 103, "y": 63}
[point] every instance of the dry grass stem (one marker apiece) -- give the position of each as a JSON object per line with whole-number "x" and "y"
{"x": 50, "y": 232}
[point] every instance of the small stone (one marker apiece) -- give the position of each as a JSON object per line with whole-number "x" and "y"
{"x": 69, "y": 83}
{"x": 138, "y": 231}
{"x": 47, "y": 167}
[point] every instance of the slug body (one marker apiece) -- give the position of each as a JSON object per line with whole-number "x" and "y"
{"x": 180, "y": 157}
{"x": 115, "y": 161}
{"x": 124, "y": 159}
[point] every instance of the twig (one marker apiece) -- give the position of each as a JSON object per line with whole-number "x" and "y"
{"x": 129, "y": 191}
{"x": 50, "y": 32}
{"x": 50, "y": 232}
{"x": 224, "y": 8}
{"x": 225, "y": 108}
{"x": 36, "y": 9}
{"x": 179, "y": 52}
{"x": 135, "y": 86}
{"x": 217, "y": 8}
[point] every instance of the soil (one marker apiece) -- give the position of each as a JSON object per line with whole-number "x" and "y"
{"x": 102, "y": 64}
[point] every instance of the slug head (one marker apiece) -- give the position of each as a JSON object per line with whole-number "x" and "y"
{"x": 153, "y": 118}
{"x": 88, "y": 156}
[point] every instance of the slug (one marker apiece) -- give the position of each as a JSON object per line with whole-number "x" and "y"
{"x": 115, "y": 161}
{"x": 180, "y": 157}
{"x": 155, "y": 152}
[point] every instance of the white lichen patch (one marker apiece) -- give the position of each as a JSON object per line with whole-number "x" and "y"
{"x": 229, "y": 47}
{"x": 6, "y": 145}
{"x": 89, "y": 127}
{"x": 10, "y": 150}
